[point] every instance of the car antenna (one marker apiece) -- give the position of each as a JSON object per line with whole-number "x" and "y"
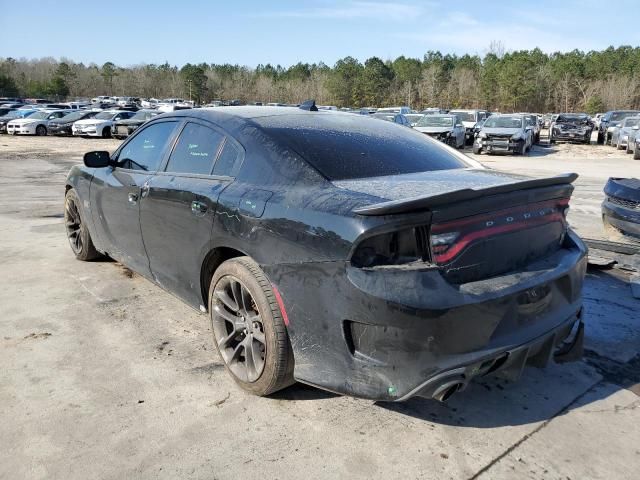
{"x": 308, "y": 105}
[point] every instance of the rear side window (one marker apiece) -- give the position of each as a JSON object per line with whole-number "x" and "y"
{"x": 344, "y": 146}
{"x": 229, "y": 161}
{"x": 145, "y": 150}
{"x": 195, "y": 150}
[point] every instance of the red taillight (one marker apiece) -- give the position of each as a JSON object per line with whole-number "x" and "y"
{"x": 448, "y": 239}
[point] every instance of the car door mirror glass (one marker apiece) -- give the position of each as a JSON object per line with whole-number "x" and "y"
{"x": 97, "y": 159}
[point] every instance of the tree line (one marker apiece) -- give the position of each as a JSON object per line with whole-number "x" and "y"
{"x": 524, "y": 80}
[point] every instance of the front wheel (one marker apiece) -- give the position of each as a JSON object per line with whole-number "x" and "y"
{"x": 248, "y": 329}
{"x": 77, "y": 232}
{"x": 106, "y": 132}
{"x": 41, "y": 130}
{"x": 477, "y": 150}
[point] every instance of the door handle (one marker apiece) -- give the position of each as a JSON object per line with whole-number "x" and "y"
{"x": 133, "y": 198}
{"x": 198, "y": 208}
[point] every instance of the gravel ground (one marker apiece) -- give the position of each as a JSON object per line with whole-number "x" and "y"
{"x": 107, "y": 376}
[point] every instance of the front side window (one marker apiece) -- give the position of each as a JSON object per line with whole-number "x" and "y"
{"x": 145, "y": 150}
{"x": 195, "y": 150}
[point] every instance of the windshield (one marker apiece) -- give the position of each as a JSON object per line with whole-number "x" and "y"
{"x": 572, "y": 118}
{"x": 39, "y": 115}
{"x": 464, "y": 116}
{"x": 503, "y": 122}
{"x": 384, "y": 116}
{"x": 104, "y": 116}
{"x": 144, "y": 115}
{"x": 435, "y": 121}
{"x": 345, "y": 147}
{"x": 72, "y": 117}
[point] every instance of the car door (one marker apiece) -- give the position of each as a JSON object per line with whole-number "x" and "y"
{"x": 178, "y": 210}
{"x": 116, "y": 192}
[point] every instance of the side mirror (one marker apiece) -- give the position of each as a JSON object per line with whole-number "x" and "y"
{"x": 99, "y": 159}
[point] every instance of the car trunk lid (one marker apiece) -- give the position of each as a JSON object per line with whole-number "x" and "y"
{"x": 482, "y": 223}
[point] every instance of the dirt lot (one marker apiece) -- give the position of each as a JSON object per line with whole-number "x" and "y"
{"x": 107, "y": 376}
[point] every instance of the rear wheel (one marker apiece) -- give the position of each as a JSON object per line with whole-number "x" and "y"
{"x": 248, "y": 328}
{"x": 106, "y": 132}
{"x": 477, "y": 150}
{"x": 41, "y": 130}
{"x": 77, "y": 232}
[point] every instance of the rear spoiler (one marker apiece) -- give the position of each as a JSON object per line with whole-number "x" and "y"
{"x": 425, "y": 203}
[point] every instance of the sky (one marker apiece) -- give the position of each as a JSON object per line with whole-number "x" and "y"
{"x": 286, "y": 32}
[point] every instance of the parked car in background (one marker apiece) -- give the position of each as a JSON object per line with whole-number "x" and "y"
{"x": 413, "y": 118}
{"x": 13, "y": 116}
{"x": 441, "y": 271}
{"x": 596, "y": 120}
{"x": 571, "y": 127}
{"x": 398, "y": 118}
{"x": 469, "y": 119}
{"x": 610, "y": 120}
{"x": 633, "y": 144}
{"x": 64, "y": 125}
{"x": 621, "y": 208}
{"x": 446, "y": 128}
{"x": 546, "y": 120}
{"x": 101, "y": 125}
{"x": 621, "y": 132}
{"x": 124, "y": 128}
{"x": 36, "y": 124}
{"x": 504, "y": 134}
{"x": 402, "y": 110}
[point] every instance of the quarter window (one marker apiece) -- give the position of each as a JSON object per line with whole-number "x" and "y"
{"x": 145, "y": 150}
{"x": 229, "y": 161}
{"x": 195, "y": 150}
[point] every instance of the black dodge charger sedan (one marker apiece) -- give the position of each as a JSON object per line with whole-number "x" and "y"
{"x": 337, "y": 250}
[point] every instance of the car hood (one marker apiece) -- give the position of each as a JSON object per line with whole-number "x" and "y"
{"x": 24, "y": 121}
{"x": 434, "y": 129}
{"x": 90, "y": 121}
{"x": 503, "y": 131}
{"x": 413, "y": 185}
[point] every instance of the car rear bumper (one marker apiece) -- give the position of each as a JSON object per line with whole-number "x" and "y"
{"x": 626, "y": 220}
{"x": 392, "y": 333}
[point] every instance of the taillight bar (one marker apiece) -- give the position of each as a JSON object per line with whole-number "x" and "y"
{"x": 448, "y": 239}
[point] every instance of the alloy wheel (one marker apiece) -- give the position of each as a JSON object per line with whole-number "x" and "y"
{"x": 238, "y": 329}
{"x": 73, "y": 224}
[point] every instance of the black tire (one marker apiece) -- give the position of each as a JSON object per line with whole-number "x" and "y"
{"x": 551, "y": 140}
{"x": 41, "y": 131}
{"x": 266, "y": 332}
{"x": 477, "y": 150}
{"x": 77, "y": 232}
{"x": 628, "y": 149}
{"x": 106, "y": 132}
{"x": 600, "y": 140}
{"x": 636, "y": 152}
{"x": 619, "y": 145}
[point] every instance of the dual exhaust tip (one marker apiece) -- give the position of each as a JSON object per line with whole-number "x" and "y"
{"x": 446, "y": 390}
